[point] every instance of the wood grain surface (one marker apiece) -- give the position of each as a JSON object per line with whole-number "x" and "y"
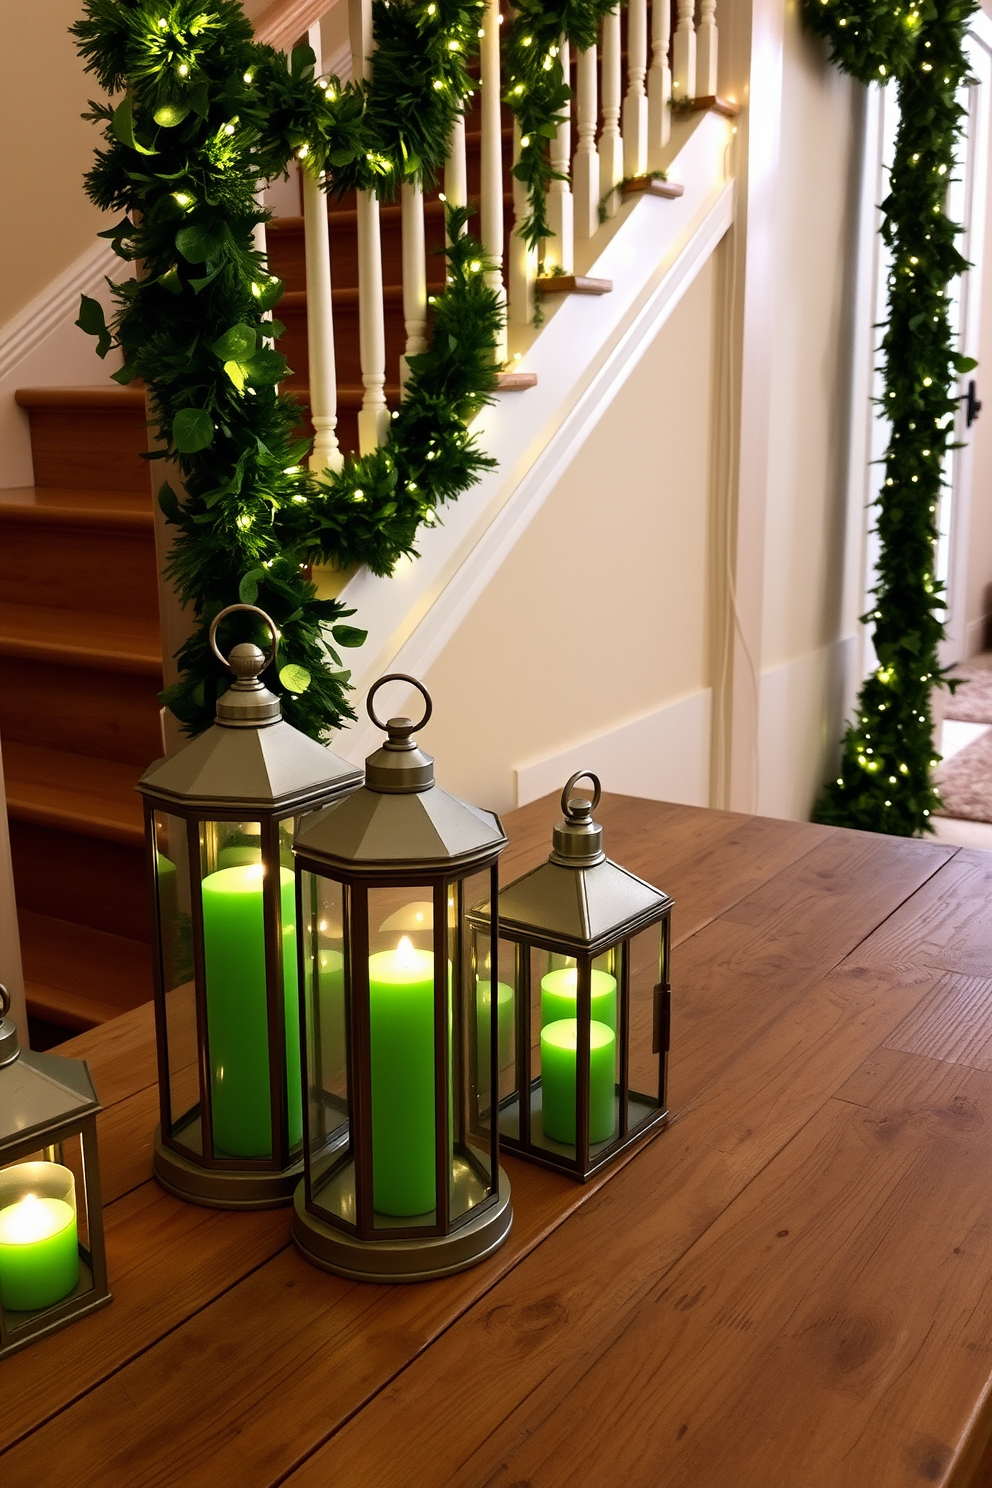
{"x": 791, "y": 1285}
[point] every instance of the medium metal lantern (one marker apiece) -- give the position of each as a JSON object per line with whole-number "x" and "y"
{"x": 402, "y": 1178}
{"x": 581, "y": 984}
{"x": 53, "y": 1267}
{"x": 219, "y": 818}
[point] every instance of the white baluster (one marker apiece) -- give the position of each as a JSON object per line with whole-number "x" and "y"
{"x": 585, "y": 167}
{"x": 320, "y": 329}
{"x": 635, "y": 105}
{"x": 414, "y": 275}
{"x": 684, "y": 54}
{"x": 659, "y": 83}
{"x": 455, "y": 167}
{"x": 523, "y": 260}
{"x": 491, "y": 194}
{"x": 373, "y": 420}
{"x": 559, "y": 251}
{"x": 258, "y": 242}
{"x": 610, "y": 141}
{"x": 706, "y": 51}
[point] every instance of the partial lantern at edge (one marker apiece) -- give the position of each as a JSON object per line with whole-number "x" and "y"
{"x": 220, "y": 815}
{"x": 402, "y": 1176}
{"x": 583, "y": 997}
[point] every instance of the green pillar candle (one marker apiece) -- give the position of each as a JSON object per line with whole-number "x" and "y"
{"x": 39, "y": 1253}
{"x": 330, "y": 990}
{"x": 401, "y": 1009}
{"x": 504, "y": 1015}
{"x": 559, "y": 1045}
{"x": 237, "y": 1022}
{"x": 559, "y": 995}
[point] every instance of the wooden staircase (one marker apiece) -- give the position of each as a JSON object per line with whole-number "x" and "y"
{"x": 80, "y": 654}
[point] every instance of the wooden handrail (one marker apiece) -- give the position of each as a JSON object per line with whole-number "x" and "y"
{"x": 284, "y": 21}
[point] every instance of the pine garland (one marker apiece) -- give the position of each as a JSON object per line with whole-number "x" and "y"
{"x": 208, "y": 114}
{"x": 885, "y": 782}
{"x": 536, "y": 92}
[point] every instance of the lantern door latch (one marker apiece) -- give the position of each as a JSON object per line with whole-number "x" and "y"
{"x": 662, "y": 1020}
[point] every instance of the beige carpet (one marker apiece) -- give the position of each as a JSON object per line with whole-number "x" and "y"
{"x": 965, "y": 781}
{"x": 972, "y": 702}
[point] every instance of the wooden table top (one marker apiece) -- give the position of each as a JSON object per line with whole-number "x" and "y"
{"x": 789, "y": 1287}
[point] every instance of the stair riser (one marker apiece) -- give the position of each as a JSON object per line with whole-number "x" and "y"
{"x": 95, "y": 449}
{"x": 82, "y": 879}
{"x": 109, "y": 714}
{"x": 293, "y": 345}
{"x": 109, "y": 572}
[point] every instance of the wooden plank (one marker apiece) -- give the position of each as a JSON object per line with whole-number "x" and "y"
{"x": 166, "y": 1261}
{"x": 459, "y": 1409}
{"x": 953, "y": 1023}
{"x": 947, "y": 924}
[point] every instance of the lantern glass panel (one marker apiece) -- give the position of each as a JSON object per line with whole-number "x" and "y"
{"x": 237, "y": 954}
{"x": 555, "y": 983}
{"x": 471, "y": 1177}
{"x": 647, "y": 973}
{"x": 41, "y": 1231}
{"x": 327, "y": 1034}
{"x": 483, "y": 979}
{"x": 408, "y": 994}
{"x": 176, "y": 948}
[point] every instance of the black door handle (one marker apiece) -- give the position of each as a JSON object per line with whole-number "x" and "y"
{"x": 973, "y": 406}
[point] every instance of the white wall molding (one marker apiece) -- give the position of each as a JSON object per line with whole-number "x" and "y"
{"x": 663, "y": 756}
{"x": 60, "y": 301}
{"x": 582, "y": 357}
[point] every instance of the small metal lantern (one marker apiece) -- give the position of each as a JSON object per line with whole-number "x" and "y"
{"x": 582, "y": 988}
{"x": 53, "y": 1267}
{"x": 402, "y": 1177}
{"x": 219, "y": 818}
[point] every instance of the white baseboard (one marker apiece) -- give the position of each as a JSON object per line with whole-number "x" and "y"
{"x": 42, "y": 347}
{"x": 664, "y": 756}
{"x": 802, "y": 719}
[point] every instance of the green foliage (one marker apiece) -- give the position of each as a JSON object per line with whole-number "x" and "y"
{"x": 208, "y": 115}
{"x": 884, "y": 783}
{"x": 536, "y": 91}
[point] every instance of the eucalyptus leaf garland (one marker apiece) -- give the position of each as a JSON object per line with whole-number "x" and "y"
{"x": 536, "y": 91}
{"x": 885, "y": 782}
{"x": 207, "y": 116}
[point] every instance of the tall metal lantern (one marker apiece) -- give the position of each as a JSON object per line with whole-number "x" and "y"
{"x": 53, "y": 1268}
{"x": 219, "y": 819}
{"x": 584, "y": 1000}
{"x": 402, "y": 1177}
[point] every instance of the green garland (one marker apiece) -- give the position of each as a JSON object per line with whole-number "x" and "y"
{"x": 885, "y": 783}
{"x": 536, "y": 92}
{"x": 208, "y": 114}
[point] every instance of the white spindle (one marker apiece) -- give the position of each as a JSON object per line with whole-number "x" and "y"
{"x": 456, "y": 168}
{"x": 320, "y": 329}
{"x": 684, "y": 54}
{"x": 414, "y": 274}
{"x": 610, "y": 141}
{"x": 659, "y": 83}
{"x": 635, "y": 105}
{"x": 585, "y": 167}
{"x": 373, "y": 420}
{"x": 559, "y": 250}
{"x": 523, "y": 260}
{"x": 491, "y": 193}
{"x": 706, "y": 51}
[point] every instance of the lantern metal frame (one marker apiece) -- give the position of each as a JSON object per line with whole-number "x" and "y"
{"x": 367, "y": 1247}
{"x": 530, "y": 910}
{"x": 249, "y": 748}
{"x": 49, "y": 1100}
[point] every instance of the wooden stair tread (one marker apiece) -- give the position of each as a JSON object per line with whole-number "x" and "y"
{"x": 725, "y": 106}
{"x": 653, "y": 186}
{"x": 81, "y": 397}
{"x": 119, "y": 511}
{"x": 80, "y": 977}
{"x": 515, "y": 382}
{"x": 117, "y": 643}
{"x": 292, "y": 223}
{"x": 73, "y": 792}
{"x": 551, "y": 284}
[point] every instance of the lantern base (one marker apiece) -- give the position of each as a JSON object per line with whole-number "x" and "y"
{"x": 217, "y": 1188}
{"x": 402, "y": 1260}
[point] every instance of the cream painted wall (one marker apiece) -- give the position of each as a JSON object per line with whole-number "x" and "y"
{"x": 47, "y": 148}
{"x": 600, "y": 614}
{"x": 818, "y": 173}
{"x": 978, "y": 610}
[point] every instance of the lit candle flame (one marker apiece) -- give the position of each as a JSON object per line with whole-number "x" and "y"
{"x": 404, "y": 952}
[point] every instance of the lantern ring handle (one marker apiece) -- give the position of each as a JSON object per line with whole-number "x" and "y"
{"x": 5, "y": 1001}
{"x": 581, "y": 775}
{"x": 399, "y": 677}
{"x": 252, "y": 610}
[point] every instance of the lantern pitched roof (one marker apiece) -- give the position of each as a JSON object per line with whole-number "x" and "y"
{"x": 588, "y": 907}
{"x": 369, "y": 829}
{"x": 40, "y": 1091}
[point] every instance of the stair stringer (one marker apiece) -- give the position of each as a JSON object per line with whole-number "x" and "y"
{"x": 582, "y": 357}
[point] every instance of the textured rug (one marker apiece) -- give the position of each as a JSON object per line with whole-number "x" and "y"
{"x": 972, "y": 702}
